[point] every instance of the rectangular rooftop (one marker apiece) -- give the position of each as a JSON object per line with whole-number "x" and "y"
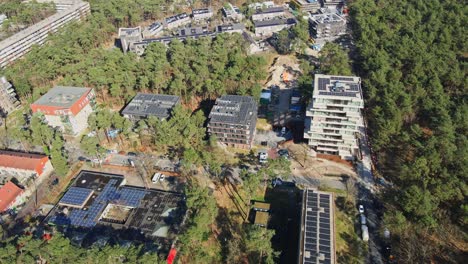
{"x": 340, "y": 86}
{"x": 145, "y": 105}
{"x": 233, "y": 109}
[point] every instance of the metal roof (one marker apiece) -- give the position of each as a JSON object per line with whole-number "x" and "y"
{"x": 275, "y": 22}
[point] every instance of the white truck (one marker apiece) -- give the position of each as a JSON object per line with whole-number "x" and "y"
{"x": 365, "y": 233}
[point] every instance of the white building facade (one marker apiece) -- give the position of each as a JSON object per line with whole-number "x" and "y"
{"x": 334, "y": 116}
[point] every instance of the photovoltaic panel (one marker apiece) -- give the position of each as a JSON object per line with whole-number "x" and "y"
{"x": 346, "y": 79}
{"x": 76, "y": 196}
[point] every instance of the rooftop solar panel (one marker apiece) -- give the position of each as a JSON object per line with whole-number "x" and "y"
{"x": 76, "y": 196}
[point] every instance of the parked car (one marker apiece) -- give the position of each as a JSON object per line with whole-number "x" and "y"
{"x": 55, "y": 181}
{"x": 131, "y": 162}
{"x": 361, "y": 209}
{"x": 284, "y": 153}
{"x": 131, "y": 154}
{"x": 262, "y": 156}
{"x": 363, "y": 219}
{"x": 365, "y": 233}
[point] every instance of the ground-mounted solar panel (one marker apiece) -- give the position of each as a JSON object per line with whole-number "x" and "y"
{"x": 76, "y": 196}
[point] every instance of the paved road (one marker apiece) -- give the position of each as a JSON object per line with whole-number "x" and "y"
{"x": 366, "y": 194}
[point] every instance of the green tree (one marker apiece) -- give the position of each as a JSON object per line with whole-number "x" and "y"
{"x": 334, "y": 60}
{"x": 258, "y": 245}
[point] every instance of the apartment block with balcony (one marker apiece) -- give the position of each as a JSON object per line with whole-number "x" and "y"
{"x": 66, "y": 108}
{"x": 334, "y": 116}
{"x": 327, "y": 27}
{"x": 8, "y": 100}
{"x": 19, "y": 44}
{"x": 233, "y": 119}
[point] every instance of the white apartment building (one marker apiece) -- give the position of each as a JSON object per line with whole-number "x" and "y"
{"x": 334, "y": 115}
{"x": 19, "y": 44}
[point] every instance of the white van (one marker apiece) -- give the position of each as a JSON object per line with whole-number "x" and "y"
{"x": 156, "y": 177}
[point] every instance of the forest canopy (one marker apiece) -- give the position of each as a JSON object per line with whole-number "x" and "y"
{"x": 412, "y": 58}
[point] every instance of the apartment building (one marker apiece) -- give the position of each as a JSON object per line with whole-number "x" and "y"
{"x": 152, "y": 30}
{"x": 66, "y": 108}
{"x": 232, "y": 12}
{"x": 268, "y": 13}
{"x": 327, "y": 26}
{"x": 128, "y": 36}
{"x": 20, "y": 165}
{"x": 145, "y": 105}
{"x": 266, "y": 28}
{"x": 177, "y": 21}
{"x": 333, "y": 4}
{"x": 334, "y": 116}
{"x": 233, "y": 119}
{"x": 306, "y": 5}
{"x": 202, "y": 13}
{"x": 8, "y": 100}
{"x": 19, "y": 44}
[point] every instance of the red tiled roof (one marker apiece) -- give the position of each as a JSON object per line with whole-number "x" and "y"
{"x": 21, "y": 160}
{"x": 8, "y": 194}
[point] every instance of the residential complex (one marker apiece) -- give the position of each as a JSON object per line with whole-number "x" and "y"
{"x": 317, "y": 235}
{"x": 67, "y": 108}
{"x": 99, "y": 201}
{"x": 327, "y": 26}
{"x": 19, "y": 44}
{"x": 232, "y": 12}
{"x": 233, "y": 119}
{"x": 334, "y": 116}
{"x": 177, "y": 21}
{"x": 146, "y": 105}
{"x": 8, "y": 100}
{"x": 152, "y": 30}
{"x": 128, "y": 36}
{"x": 203, "y": 13}
{"x": 268, "y": 13}
{"x": 268, "y": 27}
{"x": 10, "y": 195}
{"x": 22, "y": 166}
{"x": 306, "y": 5}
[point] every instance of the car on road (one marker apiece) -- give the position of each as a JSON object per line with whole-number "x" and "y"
{"x": 361, "y": 209}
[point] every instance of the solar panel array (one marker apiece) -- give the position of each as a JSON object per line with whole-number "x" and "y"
{"x": 354, "y": 87}
{"x": 322, "y": 83}
{"x": 345, "y": 94}
{"x": 109, "y": 194}
{"x": 76, "y": 196}
{"x": 346, "y": 79}
{"x": 318, "y": 233}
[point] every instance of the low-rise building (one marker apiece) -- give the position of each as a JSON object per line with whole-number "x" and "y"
{"x": 20, "y": 165}
{"x": 202, "y": 13}
{"x": 66, "y": 108}
{"x": 260, "y": 5}
{"x": 232, "y": 12}
{"x": 333, "y": 4}
{"x": 230, "y": 28}
{"x": 128, "y": 36}
{"x": 233, "y": 119}
{"x": 8, "y": 100}
{"x": 152, "y": 30}
{"x": 268, "y": 13}
{"x": 177, "y": 21}
{"x": 19, "y": 44}
{"x": 306, "y": 5}
{"x": 327, "y": 26}
{"x": 317, "y": 232}
{"x": 268, "y": 27}
{"x": 146, "y": 105}
{"x": 333, "y": 118}
{"x": 9, "y": 196}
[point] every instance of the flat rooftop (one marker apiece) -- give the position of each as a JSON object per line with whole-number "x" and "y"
{"x": 268, "y": 10}
{"x": 275, "y": 22}
{"x": 340, "y": 86}
{"x": 201, "y": 11}
{"x": 144, "y": 105}
{"x": 62, "y": 96}
{"x": 105, "y": 201}
{"x": 318, "y": 235}
{"x": 326, "y": 18}
{"x": 233, "y": 109}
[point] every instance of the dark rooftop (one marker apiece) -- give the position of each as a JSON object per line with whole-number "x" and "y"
{"x": 234, "y": 109}
{"x": 156, "y": 214}
{"x": 318, "y": 230}
{"x": 144, "y": 105}
{"x": 268, "y": 10}
{"x": 275, "y": 22}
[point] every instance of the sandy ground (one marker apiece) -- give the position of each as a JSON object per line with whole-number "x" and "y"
{"x": 284, "y": 64}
